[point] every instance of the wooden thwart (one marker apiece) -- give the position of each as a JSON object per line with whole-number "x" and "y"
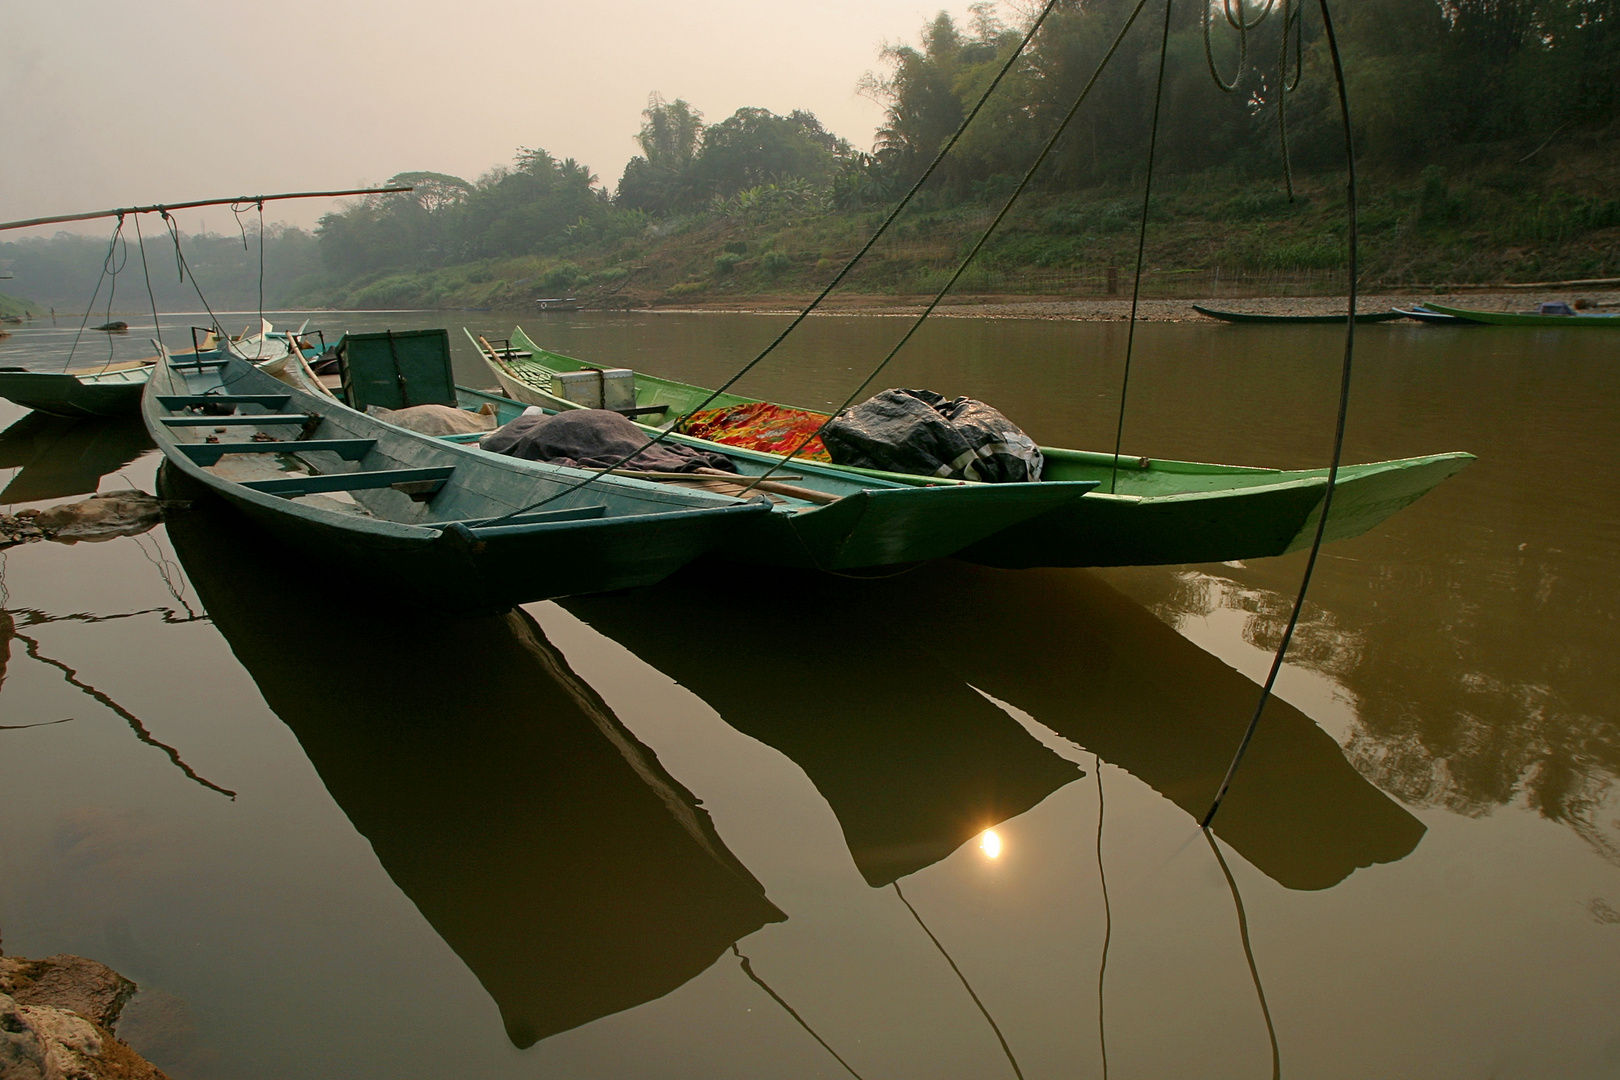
{"x": 210, "y": 453}
{"x": 238, "y": 420}
{"x": 419, "y": 484}
{"x": 175, "y": 402}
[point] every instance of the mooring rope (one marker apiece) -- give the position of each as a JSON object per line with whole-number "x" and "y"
{"x": 1248, "y": 954}
{"x": 1338, "y": 433}
{"x": 1141, "y": 249}
{"x": 1108, "y": 921}
{"x": 106, "y": 263}
{"x": 146, "y": 272}
{"x": 831, "y": 285}
{"x": 748, "y": 970}
{"x": 978, "y": 245}
{"x": 237, "y": 210}
{"x": 1005, "y": 1049}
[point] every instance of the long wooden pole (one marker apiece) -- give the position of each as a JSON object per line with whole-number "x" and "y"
{"x": 161, "y": 207}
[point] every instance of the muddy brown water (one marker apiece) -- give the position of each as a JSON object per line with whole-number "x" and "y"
{"x": 736, "y": 825}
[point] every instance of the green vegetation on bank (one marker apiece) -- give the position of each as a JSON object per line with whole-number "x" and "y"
{"x": 14, "y": 307}
{"x": 1485, "y": 129}
{"x": 1207, "y": 232}
{"x": 1485, "y": 132}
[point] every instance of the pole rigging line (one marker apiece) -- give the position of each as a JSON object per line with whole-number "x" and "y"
{"x": 1353, "y": 249}
{"x": 838, "y": 278}
{"x": 161, "y": 208}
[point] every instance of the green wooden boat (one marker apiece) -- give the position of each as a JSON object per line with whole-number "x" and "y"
{"x": 108, "y": 390}
{"x": 860, "y": 523}
{"x": 415, "y": 515}
{"x": 1529, "y": 318}
{"x": 1150, "y": 511}
{"x": 1256, "y": 317}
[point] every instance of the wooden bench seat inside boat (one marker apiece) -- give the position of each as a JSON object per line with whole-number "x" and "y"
{"x": 210, "y": 453}
{"x": 270, "y": 402}
{"x": 238, "y": 420}
{"x": 420, "y": 484}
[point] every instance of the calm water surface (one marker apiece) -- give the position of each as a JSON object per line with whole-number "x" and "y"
{"x": 734, "y": 826}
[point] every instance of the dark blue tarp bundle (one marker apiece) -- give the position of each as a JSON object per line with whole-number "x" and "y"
{"x": 922, "y": 433}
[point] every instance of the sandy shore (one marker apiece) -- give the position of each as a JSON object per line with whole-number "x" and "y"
{"x": 1118, "y": 309}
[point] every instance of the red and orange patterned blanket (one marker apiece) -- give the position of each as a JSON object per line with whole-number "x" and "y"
{"x": 774, "y": 429}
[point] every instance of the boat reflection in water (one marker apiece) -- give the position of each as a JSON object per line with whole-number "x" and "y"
{"x": 549, "y": 848}
{"x": 874, "y": 694}
{"x": 56, "y": 457}
{"x": 864, "y": 697}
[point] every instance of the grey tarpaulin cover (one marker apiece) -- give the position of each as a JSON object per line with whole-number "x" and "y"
{"x": 595, "y": 439}
{"x": 922, "y": 433}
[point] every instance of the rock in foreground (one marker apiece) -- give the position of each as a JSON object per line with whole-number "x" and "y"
{"x": 56, "y": 1021}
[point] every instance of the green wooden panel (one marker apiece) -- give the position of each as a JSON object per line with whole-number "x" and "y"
{"x": 395, "y": 369}
{"x": 238, "y": 420}
{"x": 210, "y": 453}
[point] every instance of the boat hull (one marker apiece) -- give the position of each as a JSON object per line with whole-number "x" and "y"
{"x": 69, "y": 396}
{"x": 1164, "y": 513}
{"x": 875, "y": 524}
{"x": 417, "y": 549}
{"x": 1224, "y": 525}
{"x": 1524, "y": 318}
{"x": 1256, "y": 317}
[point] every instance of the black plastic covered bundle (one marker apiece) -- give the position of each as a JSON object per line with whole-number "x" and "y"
{"x": 922, "y": 433}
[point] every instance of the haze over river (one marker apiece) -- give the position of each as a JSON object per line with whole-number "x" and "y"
{"x": 735, "y": 826}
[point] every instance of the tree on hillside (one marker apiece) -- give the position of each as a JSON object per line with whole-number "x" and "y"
{"x": 529, "y": 208}
{"x": 654, "y": 180}
{"x": 434, "y": 191}
{"x": 752, "y": 147}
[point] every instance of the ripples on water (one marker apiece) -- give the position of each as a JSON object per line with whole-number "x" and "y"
{"x": 735, "y": 825}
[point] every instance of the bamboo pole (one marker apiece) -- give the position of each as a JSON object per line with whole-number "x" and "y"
{"x": 163, "y": 207}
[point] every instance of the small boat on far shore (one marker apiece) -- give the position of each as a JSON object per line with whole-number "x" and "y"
{"x": 1544, "y": 315}
{"x": 1421, "y": 313}
{"x": 1258, "y": 317}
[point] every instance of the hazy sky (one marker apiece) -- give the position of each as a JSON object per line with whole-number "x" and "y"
{"x": 114, "y": 104}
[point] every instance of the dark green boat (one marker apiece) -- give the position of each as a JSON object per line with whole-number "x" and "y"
{"x": 1158, "y": 511}
{"x": 1573, "y": 319}
{"x": 111, "y": 390}
{"x": 415, "y": 515}
{"x": 1257, "y": 317}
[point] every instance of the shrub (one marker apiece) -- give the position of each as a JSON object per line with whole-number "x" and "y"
{"x": 775, "y": 263}
{"x": 724, "y": 264}
{"x": 559, "y": 278}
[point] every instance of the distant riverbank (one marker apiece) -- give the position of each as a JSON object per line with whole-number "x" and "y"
{"x": 1118, "y": 309}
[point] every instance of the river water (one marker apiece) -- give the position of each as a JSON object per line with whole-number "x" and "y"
{"x": 735, "y": 825}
